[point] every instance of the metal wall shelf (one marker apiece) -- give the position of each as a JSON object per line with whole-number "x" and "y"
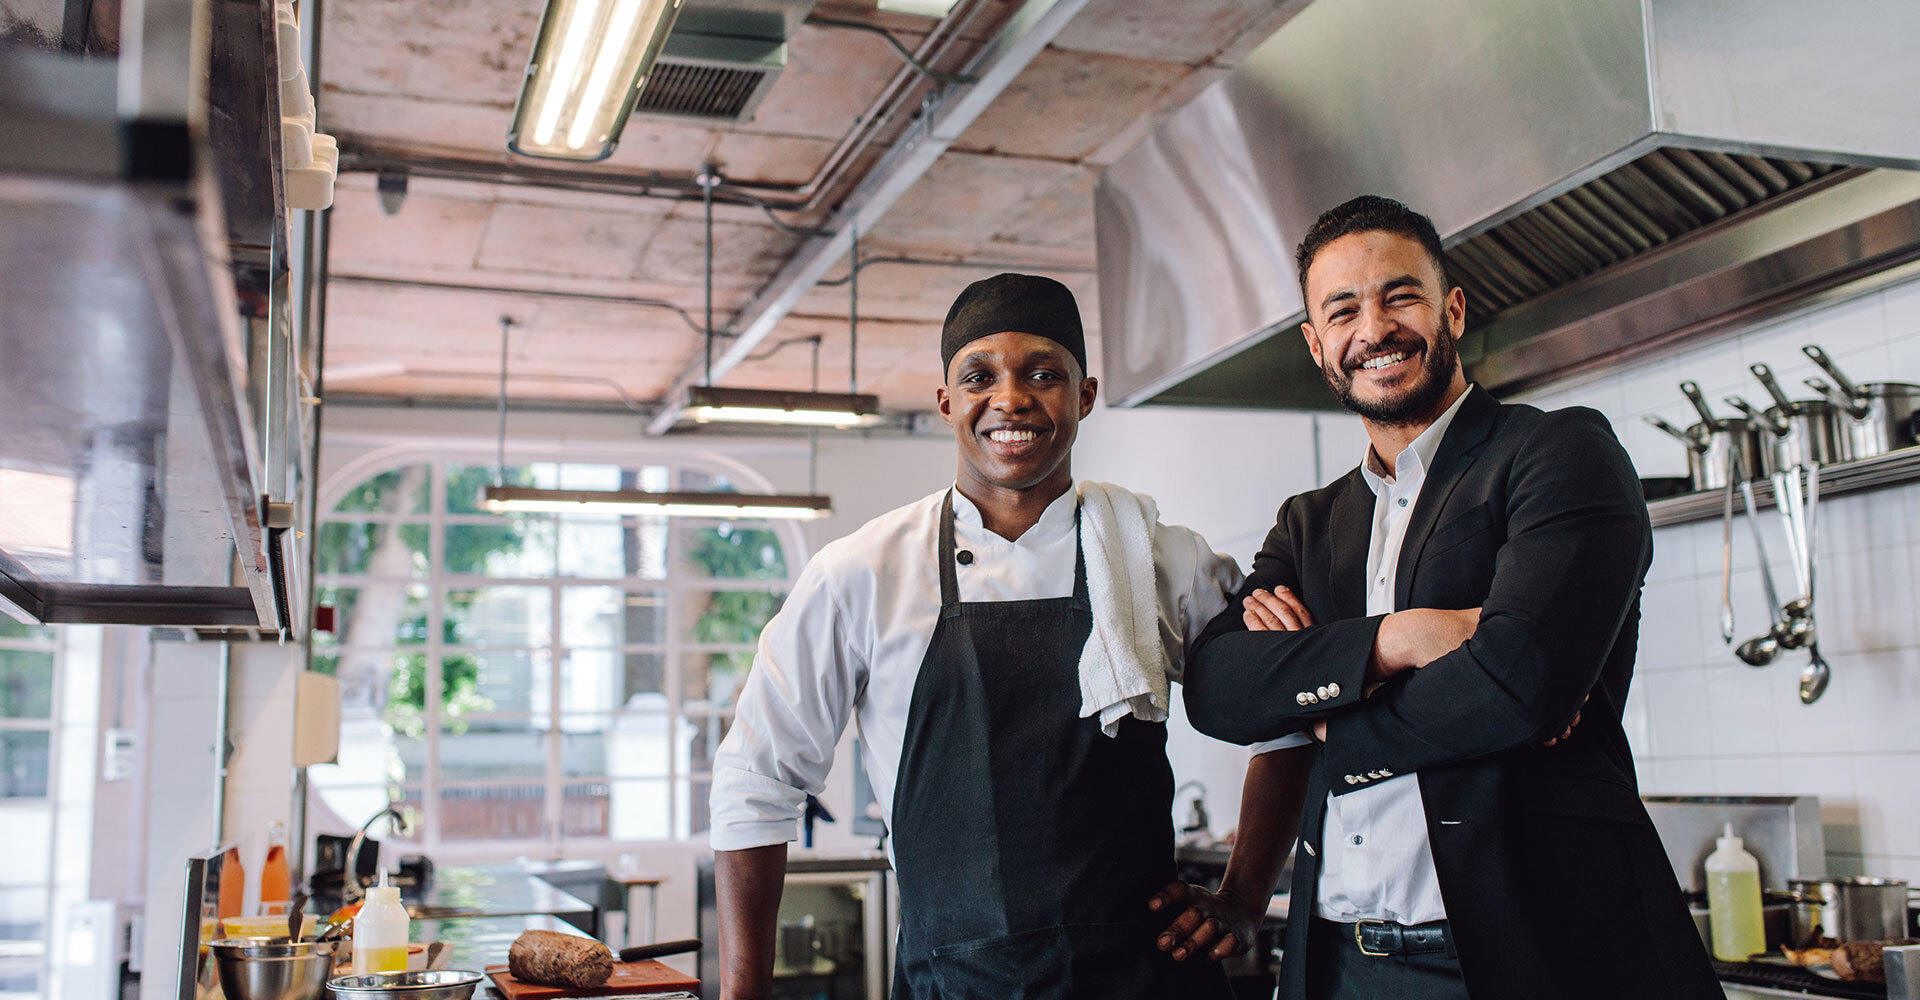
{"x": 140, "y": 233}
{"x": 1890, "y": 469}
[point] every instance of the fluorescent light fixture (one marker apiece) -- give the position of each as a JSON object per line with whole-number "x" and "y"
{"x": 360, "y": 371}
{"x": 712, "y": 404}
{"x": 589, "y": 60}
{"x": 924, "y": 8}
{"x": 527, "y": 499}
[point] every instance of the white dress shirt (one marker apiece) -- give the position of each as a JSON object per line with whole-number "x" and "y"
{"x": 1375, "y": 859}
{"x": 851, "y": 636}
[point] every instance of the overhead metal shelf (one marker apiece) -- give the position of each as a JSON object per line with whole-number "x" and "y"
{"x": 133, "y": 475}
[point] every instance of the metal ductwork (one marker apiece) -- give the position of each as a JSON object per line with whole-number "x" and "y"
{"x": 1609, "y": 177}
{"x": 721, "y": 59}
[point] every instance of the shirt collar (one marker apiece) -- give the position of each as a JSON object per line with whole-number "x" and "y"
{"x": 1056, "y": 519}
{"x": 1418, "y": 455}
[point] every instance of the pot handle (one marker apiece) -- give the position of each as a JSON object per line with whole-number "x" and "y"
{"x": 1771, "y": 384}
{"x": 1854, "y": 408}
{"x": 1826, "y": 365}
{"x": 1692, "y": 391}
{"x": 1764, "y": 419}
{"x": 1685, "y": 438}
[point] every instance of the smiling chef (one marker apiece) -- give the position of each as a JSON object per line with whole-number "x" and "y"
{"x": 1005, "y": 646}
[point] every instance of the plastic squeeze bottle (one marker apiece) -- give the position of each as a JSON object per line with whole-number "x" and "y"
{"x": 380, "y": 932}
{"x": 276, "y": 889}
{"x": 1733, "y": 900}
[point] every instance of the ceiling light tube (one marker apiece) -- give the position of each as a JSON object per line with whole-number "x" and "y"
{"x": 527, "y": 499}
{"x": 713, "y": 404}
{"x": 924, "y": 8}
{"x": 589, "y": 60}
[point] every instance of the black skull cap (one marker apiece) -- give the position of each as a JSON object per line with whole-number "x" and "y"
{"x": 1014, "y": 303}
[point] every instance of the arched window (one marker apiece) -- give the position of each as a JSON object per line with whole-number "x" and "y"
{"x": 522, "y": 680}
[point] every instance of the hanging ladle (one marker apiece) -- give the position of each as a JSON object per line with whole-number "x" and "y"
{"x": 1814, "y": 676}
{"x": 1761, "y": 650}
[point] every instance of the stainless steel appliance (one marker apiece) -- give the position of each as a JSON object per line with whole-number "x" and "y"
{"x": 1782, "y": 831}
{"x": 1608, "y": 177}
{"x": 836, "y": 929}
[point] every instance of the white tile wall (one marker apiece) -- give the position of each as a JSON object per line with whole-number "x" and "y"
{"x": 1699, "y": 720}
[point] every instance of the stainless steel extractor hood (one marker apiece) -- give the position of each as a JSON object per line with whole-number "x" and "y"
{"x": 1609, "y": 177}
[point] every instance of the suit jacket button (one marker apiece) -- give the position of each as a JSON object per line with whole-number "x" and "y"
{"x": 1384, "y": 773}
{"x": 1333, "y": 690}
{"x": 1352, "y": 779}
{"x": 1375, "y": 774}
{"x": 1324, "y": 692}
{"x": 1301, "y": 698}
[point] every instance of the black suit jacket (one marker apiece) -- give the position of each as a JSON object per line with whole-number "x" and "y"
{"x": 1554, "y": 880}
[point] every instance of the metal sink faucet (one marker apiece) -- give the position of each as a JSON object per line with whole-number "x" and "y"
{"x": 351, "y": 887}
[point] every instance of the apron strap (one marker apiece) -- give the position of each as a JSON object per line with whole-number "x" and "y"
{"x": 949, "y": 584}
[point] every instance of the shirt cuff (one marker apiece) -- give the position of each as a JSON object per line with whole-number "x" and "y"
{"x": 1286, "y": 742}
{"x": 751, "y": 810}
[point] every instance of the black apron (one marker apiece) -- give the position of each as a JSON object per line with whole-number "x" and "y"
{"x": 1026, "y": 841}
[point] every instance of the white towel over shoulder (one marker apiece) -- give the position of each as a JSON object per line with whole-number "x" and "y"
{"x": 1123, "y": 668}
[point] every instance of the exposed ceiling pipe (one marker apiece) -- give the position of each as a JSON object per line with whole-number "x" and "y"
{"x": 948, "y": 114}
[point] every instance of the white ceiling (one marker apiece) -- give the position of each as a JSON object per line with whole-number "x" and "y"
{"x": 404, "y": 78}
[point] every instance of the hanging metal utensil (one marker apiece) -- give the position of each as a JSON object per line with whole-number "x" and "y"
{"x": 1726, "y": 551}
{"x": 1815, "y": 675}
{"x": 1761, "y": 650}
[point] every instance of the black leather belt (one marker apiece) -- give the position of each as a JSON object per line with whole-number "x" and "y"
{"x": 1380, "y": 938}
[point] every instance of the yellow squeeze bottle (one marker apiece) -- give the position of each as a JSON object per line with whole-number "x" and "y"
{"x": 380, "y": 932}
{"x": 1733, "y": 900}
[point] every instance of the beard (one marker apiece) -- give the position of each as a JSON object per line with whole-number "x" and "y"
{"x": 1410, "y": 405}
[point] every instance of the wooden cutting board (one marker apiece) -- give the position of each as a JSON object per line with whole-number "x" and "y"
{"x": 628, "y": 977}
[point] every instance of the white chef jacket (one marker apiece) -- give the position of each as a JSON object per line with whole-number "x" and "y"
{"x": 1375, "y": 859}
{"x": 851, "y": 636}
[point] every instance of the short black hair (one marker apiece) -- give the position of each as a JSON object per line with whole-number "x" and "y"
{"x": 1365, "y": 214}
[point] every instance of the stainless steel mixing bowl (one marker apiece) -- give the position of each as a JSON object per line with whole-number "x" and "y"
{"x": 430, "y": 984}
{"x": 266, "y": 969}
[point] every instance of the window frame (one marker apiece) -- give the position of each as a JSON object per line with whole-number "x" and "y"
{"x": 676, "y": 650}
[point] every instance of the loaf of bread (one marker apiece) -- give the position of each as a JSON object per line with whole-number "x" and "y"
{"x": 553, "y": 959}
{"x": 1863, "y": 961}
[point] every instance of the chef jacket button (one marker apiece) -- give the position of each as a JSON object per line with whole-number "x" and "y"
{"x": 963, "y": 557}
{"x": 1333, "y": 690}
{"x": 1301, "y": 698}
{"x": 1324, "y": 693}
{"x": 1352, "y": 780}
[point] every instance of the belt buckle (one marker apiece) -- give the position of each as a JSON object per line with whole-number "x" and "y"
{"x": 1360, "y": 942}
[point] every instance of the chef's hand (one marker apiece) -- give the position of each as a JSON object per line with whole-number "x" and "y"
{"x": 1276, "y": 610}
{"x": 1216, "y": 924}
{"x": 1570, "y": 726}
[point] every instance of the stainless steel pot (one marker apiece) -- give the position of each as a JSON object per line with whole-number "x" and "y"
{"x": 1799, "y": 431}
{"x": 1709, "y": 441}
{"x": 1874, "y": 417}
{"x": 1851, "y": 909}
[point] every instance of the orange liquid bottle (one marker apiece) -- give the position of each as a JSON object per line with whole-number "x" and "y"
{"x": 276, "y": 889}
{"x": 233, "y": 885}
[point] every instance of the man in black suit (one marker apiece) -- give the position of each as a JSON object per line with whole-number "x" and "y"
{"x": 1410, "y": 649}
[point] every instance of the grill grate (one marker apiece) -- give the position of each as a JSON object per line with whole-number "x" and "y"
{"x": 1645, "y": 204}
{"x": 697, "y": 90}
